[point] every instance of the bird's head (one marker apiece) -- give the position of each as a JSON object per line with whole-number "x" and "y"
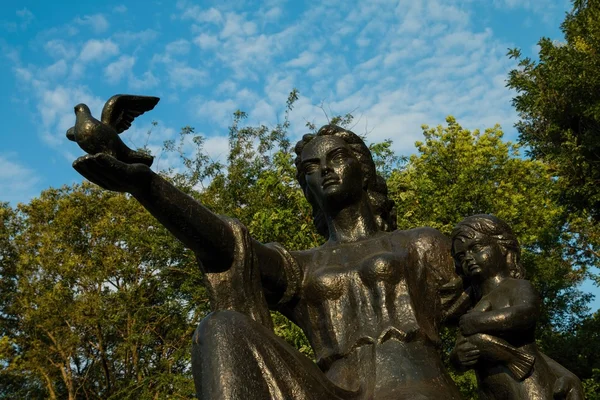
{"x": 81, "y": 108}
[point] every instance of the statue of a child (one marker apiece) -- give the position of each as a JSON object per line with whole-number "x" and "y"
{"x": 497, "y": 336}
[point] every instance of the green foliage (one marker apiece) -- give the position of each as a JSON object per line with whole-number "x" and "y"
{"x": 558, "y": 99}
{"x": 457, "y": 173}
{"x": 104, "y": 300}
{"x": 592, "y": 386}
{"x": 98, "y": 300}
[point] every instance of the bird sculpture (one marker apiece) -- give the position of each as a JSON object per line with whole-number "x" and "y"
{"x": 95, "y": 136}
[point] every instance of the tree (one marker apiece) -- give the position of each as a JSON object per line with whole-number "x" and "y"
{"x": 104, "y": 302}
{"x": 457, "y": 173}
{"x": 558, "y": 100}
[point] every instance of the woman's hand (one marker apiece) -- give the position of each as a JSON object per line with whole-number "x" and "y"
{"x": 465, "y": 354}
{"x": 112, "y": 174}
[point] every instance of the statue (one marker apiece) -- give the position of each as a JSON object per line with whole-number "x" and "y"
{"x": 368, "y": 299}
{"x": 497, "y": 335}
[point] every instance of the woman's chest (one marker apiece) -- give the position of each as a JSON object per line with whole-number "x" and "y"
{"x": 349, "y": 269}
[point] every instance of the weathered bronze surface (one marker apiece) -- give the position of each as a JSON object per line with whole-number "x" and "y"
{"x": 118, "y": 113}
{"x": 367, "y": 299}
{"x": 371, "y": 300}
{"x": 497, "y": 335}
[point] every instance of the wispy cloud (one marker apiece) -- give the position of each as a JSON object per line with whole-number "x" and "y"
{"x": 97, "y": 22}
{"x": 98, "y": 50}
{"x": 137, "y": 38}
{"x": 18, "y": 183}
{"x": 58, "y": 48}
{"x": 196, "y": 13}
{"x": 26, "y": 17}
{"x": 120, "y": 9}
{"x": 206, "y": 41}
{"x": 115, "y": 71}
{"x": 185, "y": 77}
{"x": 544, "y": 8}
{"x": 395, "y": 64}
{"x": 178, "y": 47}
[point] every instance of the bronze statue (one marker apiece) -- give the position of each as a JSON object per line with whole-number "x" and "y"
{"x": 497, "y": 335}
{"x": 118, "y": 113}
{"x": 368, "y": 299}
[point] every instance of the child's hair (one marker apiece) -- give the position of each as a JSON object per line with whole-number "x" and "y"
{"x": 497, "y": 230}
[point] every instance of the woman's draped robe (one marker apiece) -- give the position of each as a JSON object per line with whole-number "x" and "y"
{"x": 246, "y": 360}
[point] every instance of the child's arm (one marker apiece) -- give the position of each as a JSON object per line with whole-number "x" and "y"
{"x": 520, "y": 316}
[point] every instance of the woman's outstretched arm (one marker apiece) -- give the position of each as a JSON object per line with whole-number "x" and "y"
{"x": 198, "y": 228}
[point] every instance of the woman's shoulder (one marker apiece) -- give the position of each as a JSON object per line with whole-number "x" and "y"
{"x": 423, "y": 237}
{"x": 307, "y": 257}
{"x": 432, "y": 251}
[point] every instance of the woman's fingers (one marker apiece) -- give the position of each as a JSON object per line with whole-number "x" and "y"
{"x": 102, "y": 170}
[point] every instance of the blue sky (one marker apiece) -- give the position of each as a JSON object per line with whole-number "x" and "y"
{"x": 394, "y": 64}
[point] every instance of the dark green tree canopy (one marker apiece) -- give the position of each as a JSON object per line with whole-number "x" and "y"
{"x": 558, "y": 101}
{"x": 97, "y": 300}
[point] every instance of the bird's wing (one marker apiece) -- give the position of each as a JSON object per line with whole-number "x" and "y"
{"x": 121, "y": 109}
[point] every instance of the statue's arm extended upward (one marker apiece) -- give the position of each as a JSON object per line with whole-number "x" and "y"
{"x": 198, "y": 228}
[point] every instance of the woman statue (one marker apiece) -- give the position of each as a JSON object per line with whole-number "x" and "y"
{"x": 497, "y": 336}
{"x": 368, "y": 299}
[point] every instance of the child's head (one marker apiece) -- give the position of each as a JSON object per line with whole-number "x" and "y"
{"x": 492, "y": 232}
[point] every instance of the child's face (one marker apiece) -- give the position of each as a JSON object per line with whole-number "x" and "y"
{"x": 478, "y": 256}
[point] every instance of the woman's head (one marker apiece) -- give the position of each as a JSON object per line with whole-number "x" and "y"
{"x": 480, "y": 241}
{"x": 373, "y": 184}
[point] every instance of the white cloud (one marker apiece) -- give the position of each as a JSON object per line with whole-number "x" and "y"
{"x": 186, "y": 77}
{"x": 396, "y": 64}
{"x": 305, "y": 59}
{"x": 18, "y": 183}
{"x": 217, "y": 147}
{"x": 98, "y": 50}
{"x": 217, "y": 111}
{"x": 26, "y": 17}
{"x": 227, "y": 87}
{"x": 196, "y": 13}
{"x": 127, "y": 38}
{"x": 145, "y": 82}
{"x": 206, "y": 41}
{"x": 272, "y": 14}
{"x": 56, "y": 70}
{"x": 120, "y": 9}
{"x": 60, "y": 49}
{"x": 115, "y": 71}
{"x": 179, "y": 47}
{"x": 236, "y": 25}
{"x": 97, "y": 22}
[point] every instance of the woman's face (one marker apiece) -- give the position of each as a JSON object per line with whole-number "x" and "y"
{"x": 478, "y": 256}
{"x": 333, "y": 174}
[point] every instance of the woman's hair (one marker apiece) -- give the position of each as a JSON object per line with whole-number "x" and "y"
{"x": 497, "y": 230}
{"x": 374, "y": 184}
